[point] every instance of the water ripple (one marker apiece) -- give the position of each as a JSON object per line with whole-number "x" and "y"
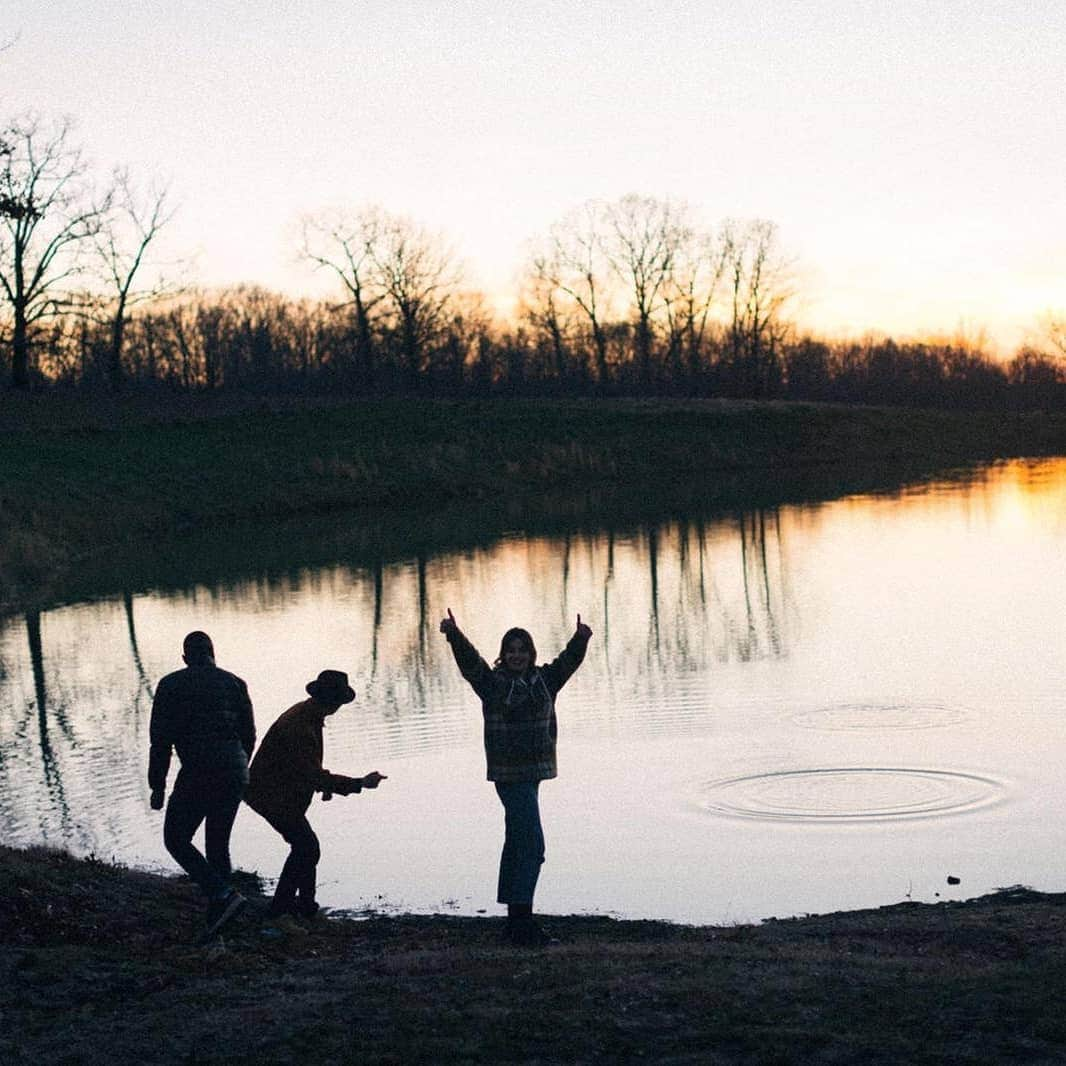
{"x": 870, "y": 716}
{"x": 849, "y": 794}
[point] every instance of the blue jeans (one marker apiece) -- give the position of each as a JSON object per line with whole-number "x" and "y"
{"x": 523, "y": 842}
{"x": 208, "y": 798}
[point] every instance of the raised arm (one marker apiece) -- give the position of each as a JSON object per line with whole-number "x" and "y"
{"x": 471, "y": 665}
{"x": 560, "y": 669}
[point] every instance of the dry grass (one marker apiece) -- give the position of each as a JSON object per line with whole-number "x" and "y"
{"x": 98, "y": 967}
{"x": 78, "y": 483}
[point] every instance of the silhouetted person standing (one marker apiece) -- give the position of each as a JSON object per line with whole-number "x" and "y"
{"x": 204, "y": 714}
{"x": 286, "y": 773}
{"x": 518, "y": 705}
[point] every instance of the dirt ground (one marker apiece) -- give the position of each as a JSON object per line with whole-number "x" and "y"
{"x": 100, "y": 965}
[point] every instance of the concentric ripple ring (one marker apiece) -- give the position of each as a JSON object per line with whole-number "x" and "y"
{"x": 870, "y": 716}
{"x": 849, "y": 794}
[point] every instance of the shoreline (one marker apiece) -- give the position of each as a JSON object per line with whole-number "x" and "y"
{"x": 99, "y": 966}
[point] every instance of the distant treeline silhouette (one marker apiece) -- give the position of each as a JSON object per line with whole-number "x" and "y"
{"x": 629, "y": 297}
{"x": 252, "y": 340}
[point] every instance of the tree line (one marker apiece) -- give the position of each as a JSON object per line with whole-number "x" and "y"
{"x": 630, "y": 297}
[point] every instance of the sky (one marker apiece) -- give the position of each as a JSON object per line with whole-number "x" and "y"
{"x": 911, "y": 153}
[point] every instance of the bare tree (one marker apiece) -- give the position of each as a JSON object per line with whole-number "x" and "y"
{"x": 690, "y": 292}
{"x": 1054, "y": 326}
{"x": 641, "y": 239}
{"x": 47, "y": 220}
{"x": 574, "y": 264}
{"x": 9, "y": 207}
{"x": 467, "y": 338}
{"x": 759, "y": 280}
{"x": 420, "y": 278}
{"x": 543, "y": 307}
{"x": 345, "y": 244}
{"x": 133, "y": 223}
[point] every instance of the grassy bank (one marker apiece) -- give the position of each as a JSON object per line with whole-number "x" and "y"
{"x": 98, "y": 966}
{"x": 78, "y": 482}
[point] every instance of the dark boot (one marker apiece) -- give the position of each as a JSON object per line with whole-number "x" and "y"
{"x": 222, "y": 911}
{"x": 522, "y": 931}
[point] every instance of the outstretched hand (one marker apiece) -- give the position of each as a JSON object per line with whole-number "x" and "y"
{"x": 449, "y": 625}
{"x": 372, "y": 780}
{"x": 582, "y": 629}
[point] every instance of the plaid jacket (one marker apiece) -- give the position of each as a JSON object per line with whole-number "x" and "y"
{"x": 204, "y": 714}
{"x": 520, "y": 723}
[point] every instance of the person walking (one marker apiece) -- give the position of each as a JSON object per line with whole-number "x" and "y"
{"x": 284, "y": 776}
{"x": 205, "y": 715}
{"x": 520, "y": 731}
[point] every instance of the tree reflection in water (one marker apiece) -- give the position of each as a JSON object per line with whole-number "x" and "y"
{"x": 697, "y": 670}
{"x": 675, "y": 597}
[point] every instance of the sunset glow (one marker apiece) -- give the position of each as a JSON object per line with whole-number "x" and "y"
{"x": 910, "y": 156}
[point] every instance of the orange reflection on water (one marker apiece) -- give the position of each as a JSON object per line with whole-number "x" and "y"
{"x": 895, "y": 641}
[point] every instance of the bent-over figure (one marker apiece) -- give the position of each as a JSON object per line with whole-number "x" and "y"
{"x": 286, "y": 773}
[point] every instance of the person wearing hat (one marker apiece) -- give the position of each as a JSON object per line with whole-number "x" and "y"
{"x": 284, "y": 776}
{"x": 204, "y": 714}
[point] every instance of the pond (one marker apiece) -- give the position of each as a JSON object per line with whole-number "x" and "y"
{"x": 783, "y": 710}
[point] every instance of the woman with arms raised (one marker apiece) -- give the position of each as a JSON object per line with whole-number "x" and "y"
{"x": 518, "y": 704}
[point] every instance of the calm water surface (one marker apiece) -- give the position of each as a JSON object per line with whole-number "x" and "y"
{"x": 784, "y": 711}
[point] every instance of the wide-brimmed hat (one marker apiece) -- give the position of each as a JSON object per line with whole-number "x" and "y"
{"x": 331, "y": 686}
